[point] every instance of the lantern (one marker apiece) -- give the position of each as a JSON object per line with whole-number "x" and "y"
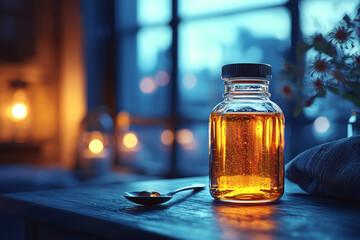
{"x": 18, "y": 110}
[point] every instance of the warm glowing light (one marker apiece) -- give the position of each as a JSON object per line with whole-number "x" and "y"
{"x": 96, "y": 146}
{"x": 130, "y": 140}
{"x": 184, "y": 136}
{"x": 19, "y": 111}
{"x": 148, "y": 85}
{"x": 238, "y": 222}
{"x": 162, "y": 78}
{"x": 321, "y": 124}
{"x": 189, "y": 80}
{"x": 167, "y": 137}
{"x": 123, "y": 120}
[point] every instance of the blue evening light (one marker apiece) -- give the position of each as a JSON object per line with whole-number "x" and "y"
{"x": 153, "y": 12}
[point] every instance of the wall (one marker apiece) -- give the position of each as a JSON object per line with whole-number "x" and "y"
{"x": 56, "y": 85}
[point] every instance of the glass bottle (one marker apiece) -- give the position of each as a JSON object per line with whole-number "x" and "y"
{"x": 246, "y": 132}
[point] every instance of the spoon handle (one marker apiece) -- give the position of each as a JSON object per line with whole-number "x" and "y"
{"x": 194, "y": 186}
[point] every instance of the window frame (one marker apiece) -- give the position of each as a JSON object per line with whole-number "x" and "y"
{"x": 175, "y": 120}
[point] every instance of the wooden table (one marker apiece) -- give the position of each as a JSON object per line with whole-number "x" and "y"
{"x": 101, "y": 212}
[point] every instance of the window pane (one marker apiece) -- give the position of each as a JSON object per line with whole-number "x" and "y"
{"x": 193, "y": 154}
{"x": 322, "y": 15}
{"x": 141, "y": 148}
{"x": 144, "y": 76}
{"x": 153, "y": 46}
{"x": 191, "y": 8}
{"x": 206, "y": 45}
{"x": 153, "y": 11}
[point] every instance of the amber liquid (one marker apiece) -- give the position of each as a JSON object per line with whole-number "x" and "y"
{"x": 246, "y": 156}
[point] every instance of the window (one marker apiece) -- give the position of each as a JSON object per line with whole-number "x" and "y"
{"x": 169, "y": 62}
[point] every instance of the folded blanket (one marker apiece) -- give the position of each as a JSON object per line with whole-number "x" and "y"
{"x": 330, "y": 169}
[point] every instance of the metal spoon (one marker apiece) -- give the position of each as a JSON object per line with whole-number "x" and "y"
{"x": 150, "y": 197}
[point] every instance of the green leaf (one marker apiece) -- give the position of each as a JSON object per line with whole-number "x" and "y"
{"x": 355, "y": 87}
{"x": 321, "y": 93}
{"x": 325, "y": 47}
{"x": 333, "y": 90}
{"x": 330, "y": 50}
{"x": 298, "y": 110}
{"x": 304, "y": 46}
{"x": 347, "y": 19}
{"x": 352, "y": 97}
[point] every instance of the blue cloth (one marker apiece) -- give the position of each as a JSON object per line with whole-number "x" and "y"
{"x": 329, "y": 170}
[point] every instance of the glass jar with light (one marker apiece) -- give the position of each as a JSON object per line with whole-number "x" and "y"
{"x": 96, "y": 143}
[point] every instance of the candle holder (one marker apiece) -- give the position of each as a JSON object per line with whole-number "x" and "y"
{"x": 95, "y": 148}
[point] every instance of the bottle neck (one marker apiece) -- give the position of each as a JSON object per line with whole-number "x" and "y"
{"x": 246, "y": 88}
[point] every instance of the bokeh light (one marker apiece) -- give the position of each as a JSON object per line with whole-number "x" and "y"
{"x": 19, "y": 111}
{"x": 189, "y": 81}
{"x": 321, "y": 124}
{"x": 184, "y": 136}
{"x": 123, "y": 120}
{"x": 96, "y": 146}
{"x": 130, "y": 140}
{"x": 162, "y": 78}
{"x": 148, "y": 85}
{"x": 167, "y": 137}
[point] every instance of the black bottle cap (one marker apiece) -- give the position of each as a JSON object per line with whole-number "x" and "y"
{"x": 246, "y": 70}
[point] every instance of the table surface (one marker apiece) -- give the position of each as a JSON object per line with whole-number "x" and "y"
{"x": 102, "y": 211}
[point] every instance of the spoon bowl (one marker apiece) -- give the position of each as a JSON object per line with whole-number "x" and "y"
{"x": 151, "y": 197}
{"x": 146, "y": 200}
